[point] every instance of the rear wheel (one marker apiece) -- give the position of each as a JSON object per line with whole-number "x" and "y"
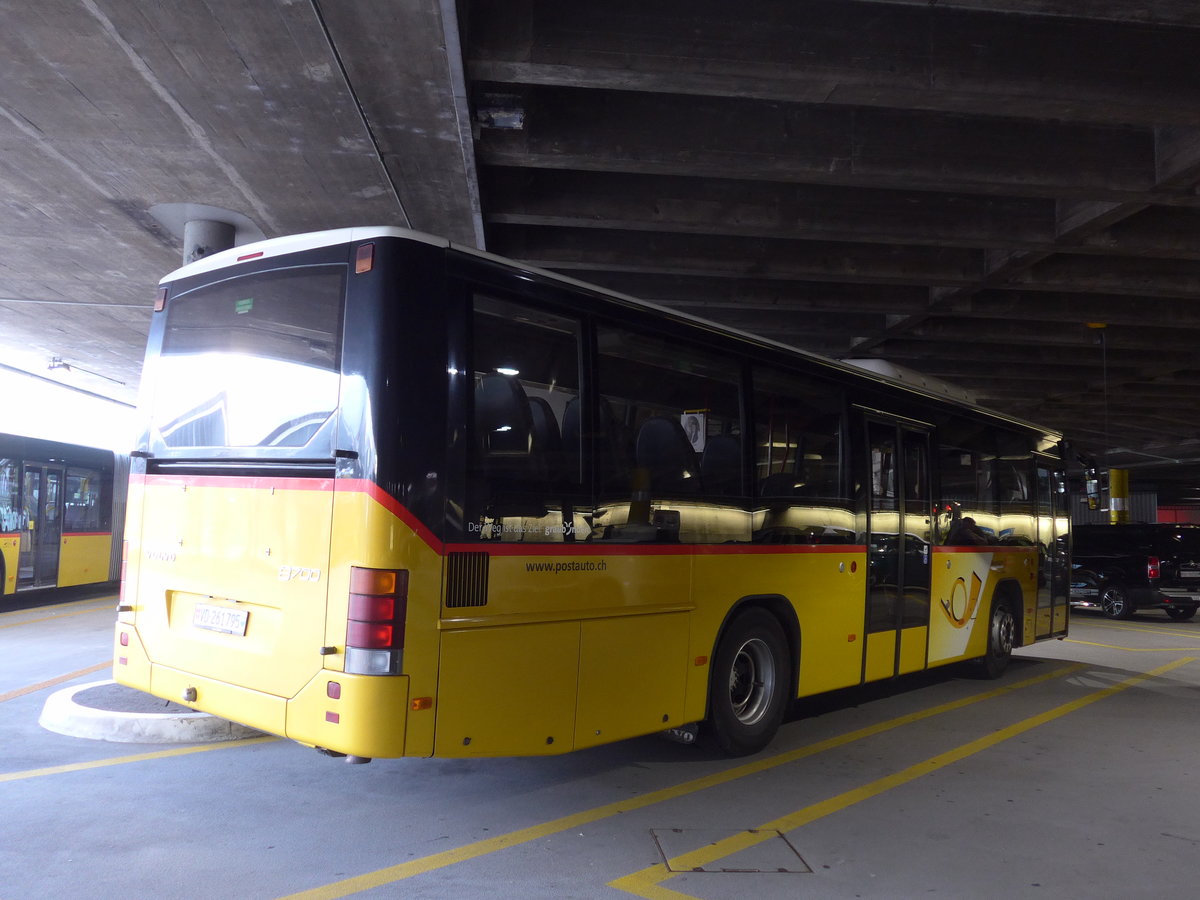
{"x": 1181, "y": 613}
{"x": 1114, "y": 602}
{"x": 750, "y": 683}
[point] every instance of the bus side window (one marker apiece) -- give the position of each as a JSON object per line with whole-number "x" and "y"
{"x": 1015, "y": 481}
{"x": 507, "y": 452}
{"x": 798, "y": 461}
{"x": 83, "y": 502}
{"x": 671, "y": 468}
{"x": 967, "y": 464}
{"x": 11, "y": 514}
{"x": 525, "y": 479}
{"x": 666, "y": 455}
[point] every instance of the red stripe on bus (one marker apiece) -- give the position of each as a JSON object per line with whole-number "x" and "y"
{"x": 523, "y": 548}
{"x": 529, "y": 548}
{"x": 985, "y": 548}
{"x": 395, "y": 507}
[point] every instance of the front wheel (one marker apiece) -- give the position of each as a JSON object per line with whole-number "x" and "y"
{"x": 750, "y": 683}
{"x": 1002, "y": 630}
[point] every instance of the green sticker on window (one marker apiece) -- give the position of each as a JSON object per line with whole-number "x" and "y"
{"x": 244, "y": 306}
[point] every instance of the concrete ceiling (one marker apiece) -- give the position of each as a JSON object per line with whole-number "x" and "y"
{"x": 964, "y": 187}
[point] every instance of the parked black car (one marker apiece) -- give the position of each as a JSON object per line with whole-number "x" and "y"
{"x": 1120, "y": 569}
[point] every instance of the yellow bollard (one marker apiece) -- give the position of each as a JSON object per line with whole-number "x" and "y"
{"x": 1118, "y": 496}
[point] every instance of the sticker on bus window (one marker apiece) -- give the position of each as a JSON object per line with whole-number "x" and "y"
{"x": 244, "y": 306}
{"x": 695, "y": 426}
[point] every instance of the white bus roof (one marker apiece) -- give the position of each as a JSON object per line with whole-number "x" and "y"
{"x": 296, "y": 243}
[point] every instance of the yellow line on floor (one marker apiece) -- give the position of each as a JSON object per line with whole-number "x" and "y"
{"x": 451, "y": 857}
{"x": 647, "y": 882}
{"x": 111, "y": 610}
{"x": 1177, "y": 631}
{"x": 103, "y": 598}
{"x": 21, "y": 692}
{"x": 137, "y": 757}
{"x": 1132, "y": 649}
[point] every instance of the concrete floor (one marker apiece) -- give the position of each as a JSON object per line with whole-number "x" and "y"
{"x": 1075, "y": 775}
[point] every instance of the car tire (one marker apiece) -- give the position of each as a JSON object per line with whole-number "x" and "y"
{"x": 1115, "y": 602}
{"x": 1181, "y": 613}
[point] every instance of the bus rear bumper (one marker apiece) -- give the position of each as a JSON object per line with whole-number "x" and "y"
{"x": 358, "y": 715}
{"x": 255, "y": 709}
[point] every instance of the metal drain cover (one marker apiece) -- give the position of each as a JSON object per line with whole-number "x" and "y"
{"x": 750, "y": 851}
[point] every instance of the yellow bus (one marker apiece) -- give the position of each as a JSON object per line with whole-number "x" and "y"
{"x": 59, "y": 506}
{"x": 397, "y": 497}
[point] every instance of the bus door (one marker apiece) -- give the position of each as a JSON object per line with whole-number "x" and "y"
{"x": 899, "y": 536}
{"x": 41, "y": 532}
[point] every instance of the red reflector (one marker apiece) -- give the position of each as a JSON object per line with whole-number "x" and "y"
{"x": 370, "y": 635}
{"x": 124, "y": 638}
{"x": 333, "y": 690}
{"x": 123, "y": 660}
{"x": 250, "y": 256}
{"x": 333, "y": 717}
{"x": 365, "y": 608}
{"x": 160, "y": 302}
{"x": 364, "y": 258}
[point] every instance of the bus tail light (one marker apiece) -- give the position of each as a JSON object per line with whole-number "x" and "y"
{"x": 1153, "y": 568}
{"x": 375, "y": 621}
{"x": 364, "y": 258}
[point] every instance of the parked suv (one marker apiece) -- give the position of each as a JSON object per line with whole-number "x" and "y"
{"x": 1119, "y": 569}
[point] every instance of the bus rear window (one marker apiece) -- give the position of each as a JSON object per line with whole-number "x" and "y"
{"x": 251, "y": 362}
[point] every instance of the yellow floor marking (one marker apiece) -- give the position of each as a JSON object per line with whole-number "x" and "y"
{"x": 21, "y": 692}
{"x": 80, "y": 612}
{"x": 103, "y": 598}
{"x": 137, "y": 757}
{"x": 646, "y": 883}
{"x": 1177, "y": 631}
{"x": 1132, "y": 649}
{"x": 446, "y": 858}
{"x": 107, "y": 597}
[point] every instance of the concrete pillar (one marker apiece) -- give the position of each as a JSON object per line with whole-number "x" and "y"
{"x": 1118, "y": 496}
{"x": 204, "y": 237}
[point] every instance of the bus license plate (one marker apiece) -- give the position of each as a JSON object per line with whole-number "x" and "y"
{"x": 220, "y": 618}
